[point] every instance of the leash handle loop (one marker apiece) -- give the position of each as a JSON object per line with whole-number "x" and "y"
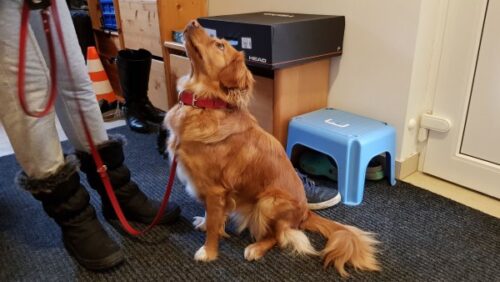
{"x": 23, "y": 34}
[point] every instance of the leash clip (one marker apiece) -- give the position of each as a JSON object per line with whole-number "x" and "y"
{"x": 102, "y": 169}
{"x": 38, "y": 4}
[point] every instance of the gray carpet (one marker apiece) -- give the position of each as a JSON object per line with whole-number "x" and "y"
{"x": 424, "y": 237}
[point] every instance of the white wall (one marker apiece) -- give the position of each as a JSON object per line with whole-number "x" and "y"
{"x": 373, "y": 75}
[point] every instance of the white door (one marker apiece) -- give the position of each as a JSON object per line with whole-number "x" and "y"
{"x": 467, "y": 93}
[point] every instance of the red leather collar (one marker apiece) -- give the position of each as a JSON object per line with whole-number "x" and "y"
{"x": 189, "y": 99}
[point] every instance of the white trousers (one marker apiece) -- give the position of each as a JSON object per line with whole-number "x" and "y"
{"x": 35, "y": 140}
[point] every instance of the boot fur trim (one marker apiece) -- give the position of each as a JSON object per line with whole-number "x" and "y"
{"x": 51, "y": 182}
{"x": 114, "y": 138}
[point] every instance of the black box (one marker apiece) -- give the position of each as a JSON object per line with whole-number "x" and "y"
{"x": 274, "y": 40}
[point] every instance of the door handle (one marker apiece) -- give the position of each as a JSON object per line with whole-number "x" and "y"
{"x": 330, "y": 121}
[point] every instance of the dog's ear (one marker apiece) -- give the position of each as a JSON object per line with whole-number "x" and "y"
{"x": 235, "y": 74}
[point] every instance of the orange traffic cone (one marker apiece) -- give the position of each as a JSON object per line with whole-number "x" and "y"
{"x": 100, "y": 81}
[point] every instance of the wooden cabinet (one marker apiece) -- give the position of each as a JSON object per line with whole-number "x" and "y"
{"x": 174, "y": 15}
{"x": 298, "y": 90}
{"x": 140, "y": 25}
{"x": 108, "y": 43}
{"x": 278, "y": 97}
{"x": 140, "y": 29}
{"x": 144, "y": 24}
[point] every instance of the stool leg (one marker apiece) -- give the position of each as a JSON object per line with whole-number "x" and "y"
{"x": 292, "y": 141}
{"x": 343, "y": 183}
{"x": 357, "y": 181}
{"x": 344, "y": 180}
{"x": 390, "y": 173}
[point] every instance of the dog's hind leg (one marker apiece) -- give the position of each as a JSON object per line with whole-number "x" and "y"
{"x": 258, "y": 249}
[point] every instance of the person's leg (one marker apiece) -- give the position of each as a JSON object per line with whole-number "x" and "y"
{"x": 81, "y": 86}
{"x": 133, "y": 201}
{"x": 34, "y": 140}
{"x": 46, "y": 174}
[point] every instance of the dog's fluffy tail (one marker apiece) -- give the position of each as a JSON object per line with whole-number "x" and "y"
{"x": 346, "y": 244}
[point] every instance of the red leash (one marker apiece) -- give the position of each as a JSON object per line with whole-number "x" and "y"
{"x": 102, "y": 169}
{"x": 22, "y": 61}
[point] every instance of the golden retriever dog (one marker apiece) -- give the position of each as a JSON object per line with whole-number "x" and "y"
{"x": 239, "y": 171}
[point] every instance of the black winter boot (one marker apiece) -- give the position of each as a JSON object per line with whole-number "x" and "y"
{"x": 66, "y": 201}
{"x": 133, "y": 68}
{"x": 135, "y": 204}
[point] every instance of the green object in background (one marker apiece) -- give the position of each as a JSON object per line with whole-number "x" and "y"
{"x": 375, "y": 170}
{"x": 318, "y": 164}
{"x": 315, "y": 163}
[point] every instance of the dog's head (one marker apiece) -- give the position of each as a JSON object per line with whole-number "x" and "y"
{"x": 217, "y": 66}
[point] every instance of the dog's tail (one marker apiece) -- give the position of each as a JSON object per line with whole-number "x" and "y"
{"x": 346, "y": 244}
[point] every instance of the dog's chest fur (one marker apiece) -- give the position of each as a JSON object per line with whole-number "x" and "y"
{"x": 181, "y": 171}
{"x": 203, "y": 140}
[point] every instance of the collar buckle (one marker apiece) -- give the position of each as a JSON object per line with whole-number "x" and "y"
{"x": 183, "y": 101}
{"x": 193, "y": 102}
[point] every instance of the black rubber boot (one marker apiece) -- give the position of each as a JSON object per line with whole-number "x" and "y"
{"x": 66, "y": 201}
{"x": 135, "y": 205}
{"x": 134, "y": 67}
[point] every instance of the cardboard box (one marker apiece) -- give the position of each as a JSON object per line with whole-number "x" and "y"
{"x": 274, "y": 40}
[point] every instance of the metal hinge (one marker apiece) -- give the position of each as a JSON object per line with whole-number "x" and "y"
{"x": 434, "y": 123}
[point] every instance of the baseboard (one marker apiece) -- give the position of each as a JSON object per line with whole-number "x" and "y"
{"x": 407, "y": 167}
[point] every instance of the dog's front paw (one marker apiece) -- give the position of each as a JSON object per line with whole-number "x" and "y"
{"x": 199, "y": 223}
{"x": 203, "y": 255}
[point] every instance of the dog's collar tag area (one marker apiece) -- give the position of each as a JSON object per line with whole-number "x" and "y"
{"x": 187, "y": 98}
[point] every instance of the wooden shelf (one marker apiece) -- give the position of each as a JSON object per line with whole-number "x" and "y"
{"x": 174, "y": 46}
{"x": 107, "y": 31}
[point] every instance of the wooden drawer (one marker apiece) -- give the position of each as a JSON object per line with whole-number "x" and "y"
{"x": 140, "y": 26}
{"x": 157, "y": 89}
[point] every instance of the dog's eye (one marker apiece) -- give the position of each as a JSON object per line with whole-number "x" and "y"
{"x": 220, "y": 46}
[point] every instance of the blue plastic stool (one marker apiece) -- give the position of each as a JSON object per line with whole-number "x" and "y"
{"x": 351, "y": 140}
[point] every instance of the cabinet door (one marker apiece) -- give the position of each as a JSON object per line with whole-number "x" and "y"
{"x": 140, "y": 25}
{"x": 157, "y": 88}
